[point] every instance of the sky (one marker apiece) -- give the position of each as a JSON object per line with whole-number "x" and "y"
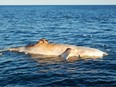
{"x": 57, "y": 2}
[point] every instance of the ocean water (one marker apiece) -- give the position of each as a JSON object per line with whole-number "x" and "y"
{"x": 92, "y": 26}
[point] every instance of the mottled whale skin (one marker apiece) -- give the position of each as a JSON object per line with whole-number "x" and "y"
{"x": 43, "y": 47}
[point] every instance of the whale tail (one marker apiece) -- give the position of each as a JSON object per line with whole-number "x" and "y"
{"x": 18, "y": 49}
{"x": 8, "y": 49}
{"x": 3, "y": 50}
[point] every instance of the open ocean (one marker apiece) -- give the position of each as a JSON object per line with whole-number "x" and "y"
{"x": 92, "y": 26}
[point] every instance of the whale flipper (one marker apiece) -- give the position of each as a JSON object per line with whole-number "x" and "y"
{"x": 70, "y": 55}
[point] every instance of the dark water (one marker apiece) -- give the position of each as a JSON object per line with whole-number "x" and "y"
{"x": 93, "y": 26}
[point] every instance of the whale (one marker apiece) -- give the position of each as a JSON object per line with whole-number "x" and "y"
{"x": 66, "y": 51}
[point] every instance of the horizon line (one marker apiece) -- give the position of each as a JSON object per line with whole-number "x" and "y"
{"x": 54, "y": 4}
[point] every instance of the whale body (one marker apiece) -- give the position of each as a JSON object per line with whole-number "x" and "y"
{"x": 43, "y": 47}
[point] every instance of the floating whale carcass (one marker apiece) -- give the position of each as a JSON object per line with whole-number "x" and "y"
{"x": 43, "y": 47}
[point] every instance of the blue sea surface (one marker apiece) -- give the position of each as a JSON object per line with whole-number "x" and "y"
{"x": 91, "y": 26}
